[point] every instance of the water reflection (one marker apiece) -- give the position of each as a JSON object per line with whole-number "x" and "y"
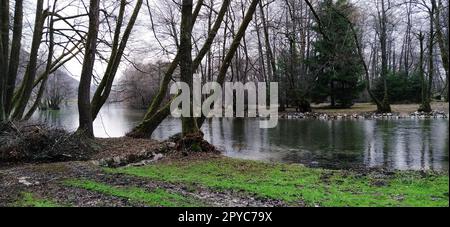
{"x": 399, "y": 144}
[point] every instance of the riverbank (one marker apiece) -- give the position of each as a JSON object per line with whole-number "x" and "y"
{"x": 368, "y": 111}
{"x": 369, "y": 107}
{"x": 175, "y": 179}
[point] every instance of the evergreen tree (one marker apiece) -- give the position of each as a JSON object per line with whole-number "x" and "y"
{"x": 336, "y": 64}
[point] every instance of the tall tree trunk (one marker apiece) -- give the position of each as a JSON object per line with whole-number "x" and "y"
{"x": 4, "y": 34}
{"x": 234, "y": 47}
{"x": 15, "y": 55}
{"x": 363, "y": 62}
{"x": 442, "y": 42}
{"x": 84, "y": 90}
{"x": 262, "y": 68}
{"x": 408, "y": 39}
{"x": 162, "y": 92}
{"x": 48, "y": 68}
{"x": 209, "y": 67}
{"x": 147, "y": 126}
{"x": 189, "y": 124}
{"x": 425, "y": 106}
{"x": 273, "y": 75}
{"x": 4, "y": 49}
{"x": 105, "y": 86}
{"x": 431, "y": 56}
{"x": 385, "y": 108}
{"x": 30, "y": 73}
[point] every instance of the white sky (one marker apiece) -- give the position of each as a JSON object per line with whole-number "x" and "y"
{"x": 143, "y": 46}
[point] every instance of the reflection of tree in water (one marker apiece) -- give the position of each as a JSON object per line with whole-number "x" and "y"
{"x": 402, "y": 144}
{"x": 60, "y": 88}
{"x": 50, "y": 117}
{"x": 347, "y": 141}
{"x": 417, "y": 146}
{"x": 427, "y": 146}
{"x": 409, "y": 144}
{"x": 386, "y": 143}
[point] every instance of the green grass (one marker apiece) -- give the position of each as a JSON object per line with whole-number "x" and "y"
{"x": 156, "y": 197}
{"x": 298, "y": 185}
{"x": 28, "y": 199}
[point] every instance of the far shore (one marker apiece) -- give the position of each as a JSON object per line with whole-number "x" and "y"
{"x": 367, "y": 111}
{"x": 369, "y": 107}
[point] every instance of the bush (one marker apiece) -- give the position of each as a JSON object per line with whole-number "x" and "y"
{"x": 401, "y": 88}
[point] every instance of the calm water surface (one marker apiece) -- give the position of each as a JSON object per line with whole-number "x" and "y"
{"x": 395, "y": 144}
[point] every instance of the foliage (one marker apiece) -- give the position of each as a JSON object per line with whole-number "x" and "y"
{"x": 401, "y": 88}
{"x": 336, "y": 63}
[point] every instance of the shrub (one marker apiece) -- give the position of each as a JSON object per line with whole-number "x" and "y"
{"x": 401, "y": 88}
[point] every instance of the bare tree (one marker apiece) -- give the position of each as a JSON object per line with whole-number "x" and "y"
{"x": 104, "y": 88}
{"x": 30, "y": 73}
{"x": 84, "y": 91}
{"x": 16, "y": 99}
{"x": 154, "y": 116}
{"x": 382, "y": 20}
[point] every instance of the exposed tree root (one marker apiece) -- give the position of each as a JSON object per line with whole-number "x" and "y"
{"x": 195, "y": 143}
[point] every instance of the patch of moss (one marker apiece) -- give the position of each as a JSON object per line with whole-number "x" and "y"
{"x": 156, "y": 197}
{"x": 196, "y": 147}
{"x": 296, "y": 184}
{"x": 28, "y": 199}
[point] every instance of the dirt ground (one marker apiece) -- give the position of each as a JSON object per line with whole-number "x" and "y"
{"x": 46, "y": 181}
{"x": 49, "y": 184}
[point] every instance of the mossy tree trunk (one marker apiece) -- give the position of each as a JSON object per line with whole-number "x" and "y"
{"x": 154, "y": 115}
{"x": 15, "y": 99}
{"x": 104, "y": 89}
{"x": 30, "y": 73}
{"x": 4, "y": 49}
{"x": 15, "y": 55}
{"x": 84, "y": 90}
{"x": 146, "y": 128}
{"x": 48, "y": 67}
{"x": 189, "y": 124}
{"x": 164, "y": 86}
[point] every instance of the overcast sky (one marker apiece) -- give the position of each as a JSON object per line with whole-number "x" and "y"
{"x": 143, "y": 46}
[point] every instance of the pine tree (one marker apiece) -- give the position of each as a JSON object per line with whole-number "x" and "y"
{"x": 336, "y": 64}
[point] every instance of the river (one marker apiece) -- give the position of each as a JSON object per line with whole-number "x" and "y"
{"x": 406, "y": 144}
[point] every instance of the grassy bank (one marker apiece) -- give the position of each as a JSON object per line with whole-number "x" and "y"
{"x": 28, "y": 199}
{"x": 221, "y": 181}
{"x": 298, "y": 185}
